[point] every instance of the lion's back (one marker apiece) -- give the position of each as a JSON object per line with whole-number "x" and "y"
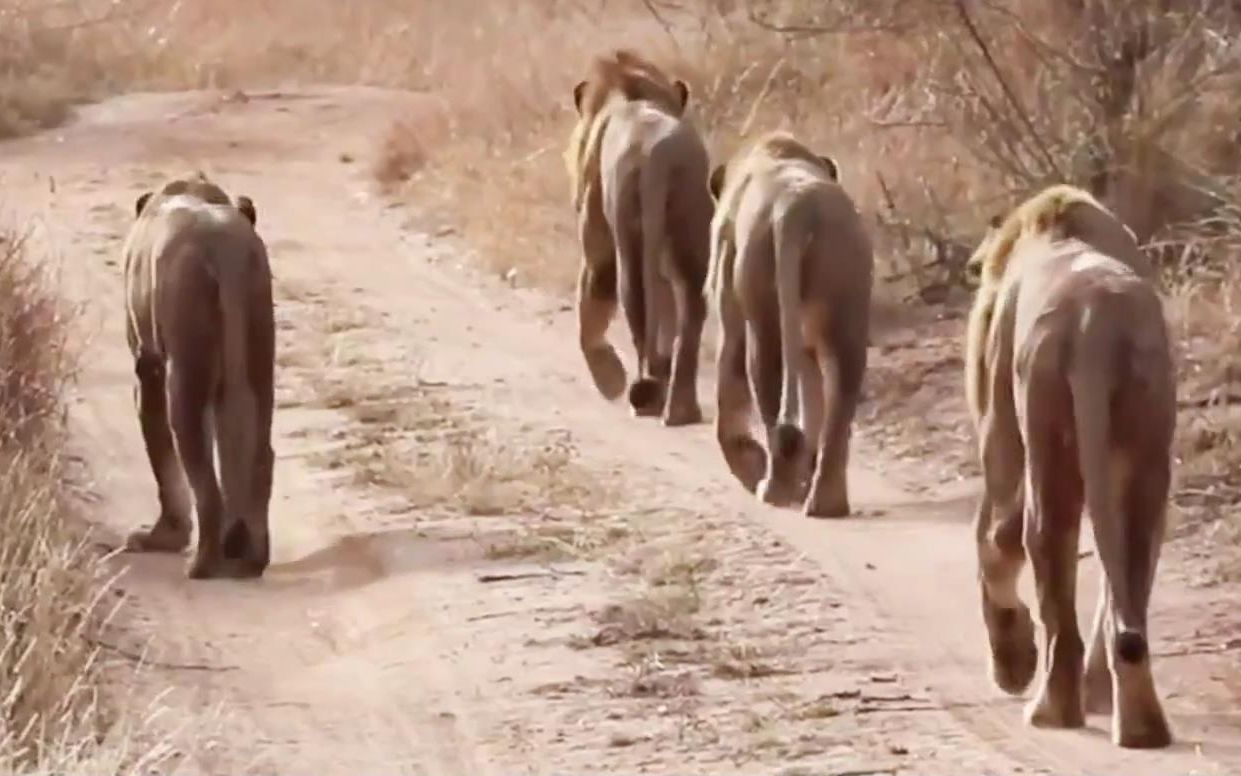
{"x": 185, "y": 249}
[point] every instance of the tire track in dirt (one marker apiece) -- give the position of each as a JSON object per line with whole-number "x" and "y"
{"x": 372, "y": 642}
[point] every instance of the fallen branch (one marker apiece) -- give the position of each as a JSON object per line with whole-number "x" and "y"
{"x": 136, "y": 657}
{"x": 508, "y": 577}
{"x": 1215, "y": 399}
{"x": 810, "y": 30}
{"x": 894, "y": 709}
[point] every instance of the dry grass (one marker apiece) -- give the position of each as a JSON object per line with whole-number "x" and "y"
{"x": 818, "y": 709}
{"x": 47, "y": 588}
{"x": 52, "y": 584}
{"x": 665, "y": 604}
{"x": 647, "y": 676}
{"x": 655, "y": 613}
{"x": 743, "y": 661}
{"x": 413, "y": 440}
{"x": 421, "y": 441}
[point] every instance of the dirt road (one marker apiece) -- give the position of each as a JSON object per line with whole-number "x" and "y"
{"x": 481, "y": 567}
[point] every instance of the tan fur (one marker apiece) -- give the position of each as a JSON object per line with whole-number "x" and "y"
{"x": 200, "y": 327}
{"x": 619, "y": 75}
{"x": 1072, "y": 388}
{"x": 639, "y": 171}
{"x": 1057, "y": 211}
{"x": 792, "y": 273}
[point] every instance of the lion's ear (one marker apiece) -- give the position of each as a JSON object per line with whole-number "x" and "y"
{"x": 682, "y": 92}
{"x": 140, "y": 203}
{"x": 578, "y": 92}
{"x": 246, "y": 206}
{"x": 830, "y": 163}
{"x": 716, "y": 184}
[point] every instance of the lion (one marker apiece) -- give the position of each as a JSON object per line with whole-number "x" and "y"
{"x": 1109, "y": 234}
{"x": 1072, "y": 388}
{"x": 639, "y": 172}
{"x": 200, "y": 327}
{"x": 619, "y": 75}
{"x": 792, "y": 271}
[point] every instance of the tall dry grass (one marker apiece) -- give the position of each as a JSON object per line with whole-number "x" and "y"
{"x": 940, "y": 109}
{"x": 57, "y": 711}
{"x": 51, "y": 583}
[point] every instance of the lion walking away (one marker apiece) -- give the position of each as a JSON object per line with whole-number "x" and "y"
{"x": 791, "y": 272}
{"x": 638, "y": 170}
{"x": 1072, "y": 387}
{"x": 198, "y": 297}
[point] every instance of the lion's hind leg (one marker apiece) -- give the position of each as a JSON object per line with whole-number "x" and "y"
{"x": 648, "y": 390}
{"x": 1054, "y": 497}
{"x": 596, "y": 300}
{"x": 1126, "y": 421}
{"x": 193, "y": 341}
{"x": 690, "y": 308}
{"x": 171, "y": 531}
{"x": 781, "y": 485}
{"x": 813, "y": 416}
{"x": 1138, "y": 719}
{"x": 843, "y": 369}
{"x": 998, "y": 531}
{"x": 245, "y": 544}
{"x": 999, "y": 521}
{"x": 745, "y": 457}
{"x": 679, "y": 342}
{"x": 189, "y": 397}
{"x": 1010, "y": 628}
{"x": 689, "y": 258}
{"x": 1098, "y": 678}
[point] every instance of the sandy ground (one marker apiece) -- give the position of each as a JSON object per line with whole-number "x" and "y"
{"x": 482, "y": 567}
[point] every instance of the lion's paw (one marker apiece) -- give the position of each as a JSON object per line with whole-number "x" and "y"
{"x": 1046, "y": 711}
{"x": 607, "y": 371}
{"x": 682, "y": 415}
{"x": 159, "y": 538}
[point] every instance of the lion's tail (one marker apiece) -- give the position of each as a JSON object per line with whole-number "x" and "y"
{"x": 792, "y": 222}
{"x": 653, "y": 192}
{"x": 715, "y": 271}
{"x": 237, "y": 412}
{"x": 1101, "y": 355}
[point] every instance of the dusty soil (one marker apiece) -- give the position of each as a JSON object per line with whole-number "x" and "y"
{"x": 482, "y": 567}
